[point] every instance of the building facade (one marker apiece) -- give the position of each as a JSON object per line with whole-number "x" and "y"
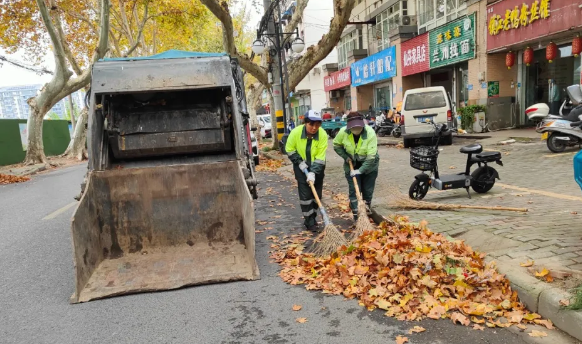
{"x": 466, "y": 46}
{"x": 13, "y": 101}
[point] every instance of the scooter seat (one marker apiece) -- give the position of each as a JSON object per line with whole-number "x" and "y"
{"x": 472, "y": 149}
{"x": 489, "y": 156}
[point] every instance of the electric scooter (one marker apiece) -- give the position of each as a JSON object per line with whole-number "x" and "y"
{"x": 425, "y": 159}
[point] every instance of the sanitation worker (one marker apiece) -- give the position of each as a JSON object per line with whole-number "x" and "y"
{"x": 358, "y": 142}
{"x": 306, "y": 147}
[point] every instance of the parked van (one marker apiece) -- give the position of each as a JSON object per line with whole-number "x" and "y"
{"x": 421, "y": 105}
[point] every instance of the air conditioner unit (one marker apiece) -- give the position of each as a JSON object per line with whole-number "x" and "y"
{"x": 421, "y": 30}
{"x": 335, "y": 94}
{"x": 408, "y": 20}
{"x": 316, "y": 70}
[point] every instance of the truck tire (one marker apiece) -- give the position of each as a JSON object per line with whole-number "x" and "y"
{"x": 448, "y": 140}
{"x": 407, "y": 143}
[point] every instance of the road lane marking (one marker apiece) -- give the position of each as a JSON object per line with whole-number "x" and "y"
{"x": 541, "y": 192}
{"x": 60, "y": 211}
{"x": 559, "y": 154}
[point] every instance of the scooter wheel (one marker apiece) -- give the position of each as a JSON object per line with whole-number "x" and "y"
{"x": 483, "y": 179}
{"x": 396, "y": 133}
{"x": 555, "y": 145}
{"x": 418, "y": 189}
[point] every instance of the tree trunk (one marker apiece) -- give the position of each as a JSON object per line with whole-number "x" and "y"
{"x": 274, "y": 133}
{"x": 72, "y": 109}
{"x": 35, "y": 146}
{"x": 77, "y": 149}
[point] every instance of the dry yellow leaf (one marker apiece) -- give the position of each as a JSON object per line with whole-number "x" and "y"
{"x": 565, "y": 302}
{"x": 301, "y": 320}
{"x": 547, "y": 323}
{"x": 401, "y": 340}
{"x": 416, "y": 329}
{"x": 535, "y": 333}
{"x": 478, "y": 327}
{"x": 527, "y": 264}
{"x": 522, "y": 327}
{"x": 542, "y": 273}
{"x": 296, "y": 307}
{"x": 477, "y": 321}
{"x": 532, "y": 316}
{"x": 460, "y": 318}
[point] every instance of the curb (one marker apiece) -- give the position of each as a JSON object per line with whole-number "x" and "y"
{"x": 537, "y": 296}
{"x": 475, "y": 137}
{"x": 25, "y": 171}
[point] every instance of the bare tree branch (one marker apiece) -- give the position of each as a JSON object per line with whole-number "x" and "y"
{"x": 141, "y": 27}
{"x": 295, "y": 19}
{"x": 314, "y": 54}
{"x": 221, "y": 11}
{"x": 37, "y": 70}
{"x": 68, "y": 53}
{"x": 85, "y": 20}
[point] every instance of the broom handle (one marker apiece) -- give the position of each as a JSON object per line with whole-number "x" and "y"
{"x": 318, "y": 201}
{"x": 356, "y": 187}
{"x": 491, "y": 208}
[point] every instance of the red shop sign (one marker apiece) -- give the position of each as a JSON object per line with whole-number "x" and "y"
{"x": 415, "y": 55}
{"x": 339, "y": 79}
{"x": 518, "y": 21}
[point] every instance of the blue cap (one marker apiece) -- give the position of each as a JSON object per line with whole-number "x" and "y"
{"x": 313, "y": 116}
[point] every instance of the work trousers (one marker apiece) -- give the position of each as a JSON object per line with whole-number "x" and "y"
{"x": 366, "y": 183}
{"x": 306, "y": 200}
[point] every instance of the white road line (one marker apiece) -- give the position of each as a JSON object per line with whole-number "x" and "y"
{"x": 60, "y": 211}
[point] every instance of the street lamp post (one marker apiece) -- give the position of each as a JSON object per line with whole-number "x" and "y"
{"x": 274, "y": 35}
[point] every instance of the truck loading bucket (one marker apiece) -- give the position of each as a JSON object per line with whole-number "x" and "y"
{"x": 166, "y": 227}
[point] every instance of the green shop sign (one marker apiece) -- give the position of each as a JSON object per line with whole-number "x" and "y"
{"x": 453, "y": 42}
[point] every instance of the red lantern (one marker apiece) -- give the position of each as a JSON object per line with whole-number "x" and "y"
{"x": 577, "y": 46}
{"x": 510, "y": 59}
{"x": 528, "y": 56}
{"x": 551, "y": 52}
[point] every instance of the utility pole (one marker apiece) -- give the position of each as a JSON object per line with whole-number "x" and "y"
{"x": 288, "y": 92}
{"x": 276, "y": 72}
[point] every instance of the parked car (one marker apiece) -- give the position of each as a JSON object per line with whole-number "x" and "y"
{"x": 421, "y": 105}
{"x": 255, "y": 148}
{"x": 265, "y": 124}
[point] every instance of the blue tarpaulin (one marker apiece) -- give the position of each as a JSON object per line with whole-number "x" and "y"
{"x": 170, "y": 54}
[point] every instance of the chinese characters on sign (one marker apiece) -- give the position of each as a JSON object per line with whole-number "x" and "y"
{"x": 337, "y": 80}
{"x": 414, "y": 54}
{"x": 519, "y": 16}
{"x": 374, "y": 68}
{"x": 452, "y": 42}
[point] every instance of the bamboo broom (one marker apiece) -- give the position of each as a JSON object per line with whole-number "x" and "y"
{"x": 363, "y": 223}
{"x": 331, "y": 238}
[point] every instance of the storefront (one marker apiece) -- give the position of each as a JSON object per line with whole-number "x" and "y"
{"x": 534, "y": 32}
{"x": 450, "y": 47}
{"x": 371, "y": 77}
{"x": 415, "y": 62}
{"x": 337, "y": 85}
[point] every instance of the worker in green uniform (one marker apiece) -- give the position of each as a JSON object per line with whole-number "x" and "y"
{"x": 358, "y": 142}
{"x": 306, "y": 147}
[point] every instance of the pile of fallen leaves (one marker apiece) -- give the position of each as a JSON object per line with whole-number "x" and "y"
{"x": 270, "y": 165}
{"x": 10, "y": 179}
{"x": 411, "y": 273}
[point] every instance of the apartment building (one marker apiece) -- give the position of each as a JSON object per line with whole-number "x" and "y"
{"x": 13, "y": 101}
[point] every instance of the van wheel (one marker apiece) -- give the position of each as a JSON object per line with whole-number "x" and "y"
{"x": 448, "y": 140}
{"x": 256, "y": 160}
{"x": 406, "y": 143}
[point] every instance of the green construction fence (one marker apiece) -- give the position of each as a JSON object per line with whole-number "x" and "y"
{"x": 55, "y": 134}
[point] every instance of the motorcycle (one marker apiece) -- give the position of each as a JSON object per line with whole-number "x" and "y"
{"x": 384, "y": 127}
{"x": 560, "y": 131}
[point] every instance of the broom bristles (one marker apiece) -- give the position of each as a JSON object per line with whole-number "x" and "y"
{"x": 329, "y": 241}
{"x": 363, "y": 223}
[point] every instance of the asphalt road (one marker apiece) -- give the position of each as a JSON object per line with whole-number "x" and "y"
{"x": 36, "y": 281}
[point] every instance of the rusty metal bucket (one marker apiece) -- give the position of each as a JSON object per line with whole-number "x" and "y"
{"x": 165, "y": 227}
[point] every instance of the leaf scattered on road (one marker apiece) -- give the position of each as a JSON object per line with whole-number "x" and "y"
{"x": 542, "y": 273}
{"x": 297, "y": 307}
{"x": 547, "y": 323}
{"x": 478, "y": 327}
{"x": 416, "y": 329}
{"x": 565, "y": 302}
{"x": 10, "y": 179}
{"x": 301, "y": 320}
{"x": 527, "y": 264}
{"x": 401, "y": 340}
{"x": 536, "y": 333}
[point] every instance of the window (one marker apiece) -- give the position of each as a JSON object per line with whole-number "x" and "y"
{"x": 346, "y": 44}
{"x": 385, "y": 22}
{"x": 383, "y": 98}
{"x": 433, "y": 13}
{"x": 425, "y": 100}
{"x": 347, "y": 103}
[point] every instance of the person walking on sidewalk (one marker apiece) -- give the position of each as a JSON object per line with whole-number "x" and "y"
{"x": 306, "y": 147}
{"x": 358, "y": 142}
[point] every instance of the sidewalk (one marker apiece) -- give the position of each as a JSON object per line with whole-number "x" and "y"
{"x": 493, "y": 137}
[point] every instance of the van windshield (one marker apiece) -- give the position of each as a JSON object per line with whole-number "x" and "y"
{"x": 267, "y": 119}
{"x": 425, "y": 100}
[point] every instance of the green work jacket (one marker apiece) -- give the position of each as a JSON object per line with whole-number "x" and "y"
{"x": 364, "y": 154}
{"x": 301, "y": 148}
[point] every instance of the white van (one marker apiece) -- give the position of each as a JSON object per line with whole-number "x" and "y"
{"x": 265, "y": 125}
{"x": 422, "y": 104}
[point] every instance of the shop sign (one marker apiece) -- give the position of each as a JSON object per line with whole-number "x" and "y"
{"x": 415, "y": 55}
{"x": 493, "y": 89}
{"x": 373, "y": 68}
{"x": 512, "y": 22}
{"x": 453, "y": 42}
{"x": 337, "y": 80}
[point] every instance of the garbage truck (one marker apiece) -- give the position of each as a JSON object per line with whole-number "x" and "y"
{"x": 168, "y": 197}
